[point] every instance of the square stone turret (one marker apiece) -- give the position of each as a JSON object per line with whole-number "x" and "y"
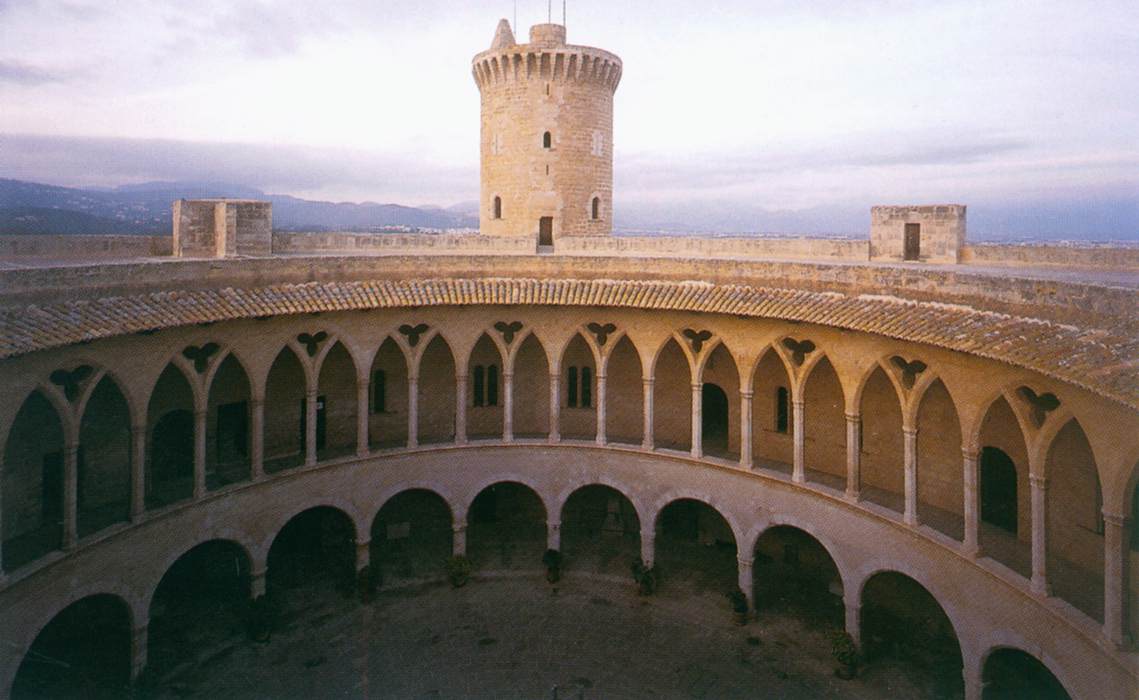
{"x": 934, "y": 233}
{"x": 219, "y": 228}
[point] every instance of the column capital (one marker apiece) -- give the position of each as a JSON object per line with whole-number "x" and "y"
{"x": 910, "y": 431}
{"x": 746, "y": 563}
{"x": 853, "y": 417}
{"x": 647, "y": 381}
{"x": 697, "y": 386}
{"x": 457, "y": 529}
{"x": 970, "y": 452}
{"x": 312, "y": 391}
{"x": 201, "y": 412}
{"x": 1115, "y": 519}
{"x": 798, "y": 400}
{"x": 746, "y": 394}
{"x": 256, "y": 401}
{"x": 1038, "y": 482}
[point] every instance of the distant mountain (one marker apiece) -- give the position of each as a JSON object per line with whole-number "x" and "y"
{"x": 31, "y": 208}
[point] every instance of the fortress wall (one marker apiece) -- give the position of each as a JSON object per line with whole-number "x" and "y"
{"x": 83, "y": 248}
{"x": 294, "y": 243}
{"x": 741, "y": 247}
{"x": 1096, "y": 257}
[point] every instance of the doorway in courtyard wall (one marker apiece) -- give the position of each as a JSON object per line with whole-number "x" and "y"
{"x": 85, "y": 651}
{"x": 199, "y": 606}
{"x": 795, "y": 574}
{"x": 903, "y": 627}
{"x": 714, "y": 420}
{"x": 33, "y": 483}
{"x": 1011, "y": 674}
{"x": 601, "y": 532}
{"x": 315, "y": 550}
{"x": 695, "y": 547}
{"x": 411, "y": 537}
{"x": 506, "y": 528}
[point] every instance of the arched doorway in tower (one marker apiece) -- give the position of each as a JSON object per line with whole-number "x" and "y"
{"x": 284, "y": 401}
{"x": 85, "y": 651}
{"x": 672, "y": 399}
{"x": 337, "y": 392}
{"x": 1011, "y": 674}
{"x": 794, "y": 573}
{"x": 314, "y": 551}
{"x": 531, "y": 390}
{"x": 1006, "y": 518}
{"x": 624, "y": 395}
{"x": 436, "y": 396}
{"x": 411, "y": 537}
{"x": 104, "y": 459}
{"x": 579, "y": 394}
{"x": 387, "y": 421}
{"x": 824, "y": 427}
{"x": 506, "y": 528}
{"x": 170, "y": 457}
{"x": 484, "y": 383}
{"x": 33, "y": 483}
{"x": 941, "y": 492}
{"x": 228, "y": 423}
{"x": 199, "y": 605}
{"x": 904, "y": 628}
{"x": 1075, "y": 521}
{"x": 695, "y": 547}
{"x": 883, "y": 461}
{"x": 772, "y": 439}
{"x": 720, "y": 405}
{"x": 601, "y": 532}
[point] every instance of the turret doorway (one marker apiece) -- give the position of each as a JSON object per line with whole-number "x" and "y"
{"x": 546, "y": 231}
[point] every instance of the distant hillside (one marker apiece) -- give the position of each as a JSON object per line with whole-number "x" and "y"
{"x": 33, "y": 208}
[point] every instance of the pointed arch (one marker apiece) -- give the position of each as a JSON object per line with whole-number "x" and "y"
{"x": 720, "y": 412}
{"x": 170, "y": 439}
{"x": 883, "y": 476}
{"x": 941, "y": 489}
{"x": 672, "y": 397}
{"x": 33, "y": 482}
{"x": 436, "y": 392}
{"x": 285, "y": 394}
{"x": 771, "y": 384}
{"x": 485, "y": 417}
{"x": 531, "y": 388}
{"x": 1004, "y": 487}
{"x": 337, "y": 402}
{"x": 228, "y": 424}
{"x": 579, "y": 389}
{"x": 624, "y": 394}
{"x": 388, "y": 396}
{"x": 104, "y": 459}
{"x": 824, "y": 425}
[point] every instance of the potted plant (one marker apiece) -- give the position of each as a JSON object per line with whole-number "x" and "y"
{"x": 260, "y": 621}
{"x": 552, "y": 559}
{"x": 845, "y": 653}
{"x": 739, "y": 606}
{"x": 645, "y": 578}
{"x": 459, "y": 570}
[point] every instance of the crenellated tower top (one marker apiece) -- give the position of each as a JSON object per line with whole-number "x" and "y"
{"x": 547, "y": 56}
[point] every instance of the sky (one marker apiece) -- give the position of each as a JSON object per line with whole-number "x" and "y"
{"x": 1026, "y": 110}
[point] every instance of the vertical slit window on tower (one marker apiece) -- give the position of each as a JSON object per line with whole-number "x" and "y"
{"x": 479, "y": 384}
{"x": 492, "y": 385}
{"x": 498, "y": 207}
{"x": 781, "y": 412}
{"x": 571, "y": 387}
{"x": 596, "y": 208}
{"x": 547, "y": 140}
{"x": 379, "y": 391}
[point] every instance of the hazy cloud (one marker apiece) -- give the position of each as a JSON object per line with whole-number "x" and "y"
{"x": 23, "y": 74}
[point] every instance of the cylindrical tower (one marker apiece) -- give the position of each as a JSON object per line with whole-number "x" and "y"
{"x": 547, "y": 136}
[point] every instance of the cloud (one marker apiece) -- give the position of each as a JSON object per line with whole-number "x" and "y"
{"x": 24, "y": 74}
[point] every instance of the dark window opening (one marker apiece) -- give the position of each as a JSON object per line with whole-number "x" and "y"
{"x": 586, "y": 387}
{"x": 714, "y": 417}
{"x": 547, "y": 140}
{"x": 1135, "y": 519}
{"x": 571, "y": 387}
{"x": 546, "y": 230}
{"x": 912, "y": 242}
{"x": 51, "y": 488}
{"x": 782, "y": 412}
{"x": 498, "y": 207}
{"x": 596, "y": 208}
{"x": 479, "y": 384}
{"x": 492, "y": 385}
{"x": 379, "y": 391}
{"x": 998, "y": 489}
{"x": 232, "y": 432}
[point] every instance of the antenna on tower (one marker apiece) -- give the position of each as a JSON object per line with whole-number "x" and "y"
{"x": 550, "y": 11}
{"x": 563, "y": 13}
{"x": 515, "y": 15}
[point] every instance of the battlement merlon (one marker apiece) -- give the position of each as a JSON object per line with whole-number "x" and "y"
{"x": 546, "y": 57}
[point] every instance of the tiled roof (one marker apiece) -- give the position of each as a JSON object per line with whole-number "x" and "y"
{"x": 1102, "y": 361}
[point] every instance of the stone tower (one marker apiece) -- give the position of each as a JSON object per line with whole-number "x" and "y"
{"x": 547, "y": 136}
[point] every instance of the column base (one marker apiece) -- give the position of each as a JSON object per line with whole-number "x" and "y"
{"x": 853, "y": 496}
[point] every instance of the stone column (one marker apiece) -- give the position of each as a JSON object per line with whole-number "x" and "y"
{"x": 310, "y": 426}
{"x": 745, "y": 429}
{"x": 70, "y": 496}
{"x": 555, "y": 407}
{"x": 199, "y": 453}
{"x": 746, "y": 581}
{"x": 971, "y": 672}
{"x": 853, "y": 456}
{"x": 602, "y": 438}
{"x": 553, "y": 534}
{"x": 853, "y": 617}
{"x": 697, "y": 420}
{"x": 256, "y": 584}
{"x": 1116, "y": 540}
{"x": 647, "y": 430}
{"x": 257, "y": 440}
{"x": 798, "y": 474}
{"x": 363, "y": 388}
{"x": 972, "y": 510}
{"x": 1039, "y": 486}
{"x": 413, "y": 411}
{"x": 508, "y": 406}
{"x": 459, "y": 540}
{"x": 910, "y": 450}
{"x": 648, "y": 546}
{"x": 139, "y": 644}
{"x": 138, "y": 472}
{"x": 461, "y": 409}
